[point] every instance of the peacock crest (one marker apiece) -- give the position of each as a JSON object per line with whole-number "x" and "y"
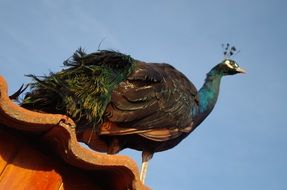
{"x": 229, "y": 51}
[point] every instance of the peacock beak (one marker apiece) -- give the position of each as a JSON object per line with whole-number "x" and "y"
{"x": 240, "y": 70}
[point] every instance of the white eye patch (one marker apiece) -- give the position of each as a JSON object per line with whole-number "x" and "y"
{"x": 228, "y": 63}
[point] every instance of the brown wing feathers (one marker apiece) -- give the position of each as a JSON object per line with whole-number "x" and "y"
{"x": 152, "y": 98}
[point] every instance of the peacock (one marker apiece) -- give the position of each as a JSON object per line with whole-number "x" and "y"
{"x": 127, "y": 103}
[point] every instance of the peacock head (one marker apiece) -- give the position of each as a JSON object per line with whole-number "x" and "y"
{"x": 229, "y": 67}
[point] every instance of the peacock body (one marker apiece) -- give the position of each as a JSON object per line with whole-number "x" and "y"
{"x": 128, "y": 103}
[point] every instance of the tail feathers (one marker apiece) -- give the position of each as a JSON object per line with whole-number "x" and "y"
{"x": 83, "y": 89}
{"x": 16, "y": 95}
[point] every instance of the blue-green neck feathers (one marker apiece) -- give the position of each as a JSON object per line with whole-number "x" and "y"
{"x": 208, "y": 94}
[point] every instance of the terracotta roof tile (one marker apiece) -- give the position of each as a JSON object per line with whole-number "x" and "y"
{"x": 58, "y": 132}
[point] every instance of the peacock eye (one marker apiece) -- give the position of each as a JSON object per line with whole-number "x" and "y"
{"x": 227, "y": 62}
{"x": 236, "y": 65}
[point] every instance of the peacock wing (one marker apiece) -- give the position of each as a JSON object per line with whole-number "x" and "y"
{"x": 155, "y": 101}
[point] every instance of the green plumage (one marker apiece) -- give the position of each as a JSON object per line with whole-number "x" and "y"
{"x": 82, "y": 90}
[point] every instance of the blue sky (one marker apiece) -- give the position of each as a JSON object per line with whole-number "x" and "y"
{"x": 242, "y": 144}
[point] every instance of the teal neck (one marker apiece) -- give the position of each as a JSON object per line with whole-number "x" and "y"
{"x": 208, "y": 95}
